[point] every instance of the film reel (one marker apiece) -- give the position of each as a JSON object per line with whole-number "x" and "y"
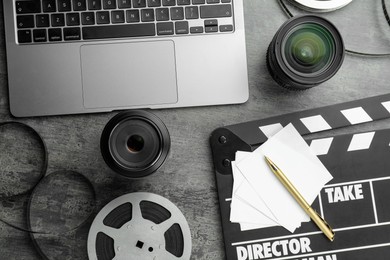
{"x": 320, "y": 6}
{"x": 139, "y": 226}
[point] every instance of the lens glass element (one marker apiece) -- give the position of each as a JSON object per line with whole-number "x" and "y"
{"x": 309, "y": 48}
{"x": 135, "y": 143}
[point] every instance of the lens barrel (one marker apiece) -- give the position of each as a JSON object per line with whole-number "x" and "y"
{"x": 135, "y": 143}
{"x": 305, "y": 52}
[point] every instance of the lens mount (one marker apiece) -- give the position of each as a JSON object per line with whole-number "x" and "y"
{"x": 305, "y": 52}
{"x": 135, "y": 143}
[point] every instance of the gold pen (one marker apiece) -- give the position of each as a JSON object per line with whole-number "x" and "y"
{"x": 320, "y": 222}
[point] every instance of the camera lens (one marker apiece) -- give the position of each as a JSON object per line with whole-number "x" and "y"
{"x": 305, "y": 52}
{"x": 135, "y": 143}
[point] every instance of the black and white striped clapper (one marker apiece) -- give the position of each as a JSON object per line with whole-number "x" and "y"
{"x": 355, "y": 203}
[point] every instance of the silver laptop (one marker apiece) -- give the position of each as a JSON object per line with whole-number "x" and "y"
{"x": 84, "y": 56}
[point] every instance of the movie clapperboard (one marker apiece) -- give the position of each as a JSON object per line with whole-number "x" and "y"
{"x": 356, "y": 203}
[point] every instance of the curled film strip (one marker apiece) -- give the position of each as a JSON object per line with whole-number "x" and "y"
{"x": 141, "y": 225}
{"x": 384, "y": 7}
{"x": 303, "y": 3}
{"x": 23, "y": 155}
{"x": 24, "y": 159}
{"x": 58, "y": 205}
{"x": 58, "y": 211}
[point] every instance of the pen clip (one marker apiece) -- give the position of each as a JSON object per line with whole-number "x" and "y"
{"x": 326, "y": 224}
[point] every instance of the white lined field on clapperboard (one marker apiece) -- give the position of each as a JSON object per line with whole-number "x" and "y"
{"x": 355, "y": 202}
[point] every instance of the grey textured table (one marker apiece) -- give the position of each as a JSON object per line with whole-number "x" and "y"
{"x": 187, "y": 178}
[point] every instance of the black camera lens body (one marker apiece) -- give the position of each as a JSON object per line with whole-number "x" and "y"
{"x": 135, "y": 143}
{"x": 305, "y": 52}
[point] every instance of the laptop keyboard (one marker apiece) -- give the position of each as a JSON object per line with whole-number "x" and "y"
{"x": 45, "y": 21}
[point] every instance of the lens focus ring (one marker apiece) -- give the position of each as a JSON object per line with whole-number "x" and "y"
{"x": 135, "y": 143}
{"x": 305, "y": 52}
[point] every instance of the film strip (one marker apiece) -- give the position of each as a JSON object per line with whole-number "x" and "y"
{"x": 50, "y": 208}
{"x": 309, "y": 6}
{"x": 355, "y": 201}
{"x": 384, "y": 7}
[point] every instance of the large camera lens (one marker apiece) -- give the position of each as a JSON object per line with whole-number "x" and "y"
{"x": 135, "y": 143}
{"x": 305, "y": 52}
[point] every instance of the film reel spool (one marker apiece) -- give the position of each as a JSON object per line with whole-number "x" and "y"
{"x": 139, "y": 226}
{"x": 320, "y": 6}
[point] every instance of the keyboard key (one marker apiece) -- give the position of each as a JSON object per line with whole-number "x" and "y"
{"x": 213, "y": 1}
{"x": 162, "y": 14}
{"x": 181, "y": 27}
{"x": 139, "y": 3}
{"x": 211, "y": 29}
{"x": 119, "y": 31}
{"x": 198, "y": 2}
{"x": 132, "y": 16}
{"x": 109, "y": 4}
{"x": 168, "y": 2}
{"x": 72, "y": 19}
{"x": 79, "y": 5}
{"x": 55, "y": 35}
{"x": 192, "y": 12}
{"x": 165, "y": 28}
{"x": 117, "y": 16}
{"x": 226, "y": 28}
{"x": 154, "y": 3}
{"x": 103, "y": 17}
{"x": 64, "y": 6}
{"x": 147, "y": 15}
{"x": 196, "y": 29}
{"x": 88, "y": 18}
{"x": 49, "y": 6}
{"x": 94, "y": 5}
{"x": 40, "y": 35}
{"x": 183, "y": 2}
{"x": 25, "y": 21}
{"x": 28, "y": 7}
{"x": 177, "y": 13}
{"x": 124, "y": 3}
{"x": 57, "y": 20}
{"x": 24, "y": 36}
{"x": 72, "y": 34}
{"x": 42, "y": 20}
{"x": 212, "y": 22}
{"x": 215, "y": 11}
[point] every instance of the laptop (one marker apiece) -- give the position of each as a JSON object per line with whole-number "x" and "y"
{"x": 86, "y": 56}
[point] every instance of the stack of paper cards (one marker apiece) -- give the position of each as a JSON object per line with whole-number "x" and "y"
{"x": 259, "y": 199}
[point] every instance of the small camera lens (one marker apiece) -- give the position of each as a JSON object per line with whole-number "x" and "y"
{"x": 135, "y": 143}
{"x": 305, "y": 52}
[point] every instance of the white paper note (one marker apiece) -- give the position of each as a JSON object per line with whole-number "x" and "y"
{"x": 293, "y": 156}
{"x": 241, "y": 212}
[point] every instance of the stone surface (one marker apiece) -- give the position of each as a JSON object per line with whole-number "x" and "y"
{"x": 187, "y": 178}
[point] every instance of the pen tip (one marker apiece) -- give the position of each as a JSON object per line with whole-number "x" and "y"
{"x": 268, "y": 160}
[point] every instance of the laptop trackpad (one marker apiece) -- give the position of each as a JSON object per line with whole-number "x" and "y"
{"x": 129, "y": 74}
